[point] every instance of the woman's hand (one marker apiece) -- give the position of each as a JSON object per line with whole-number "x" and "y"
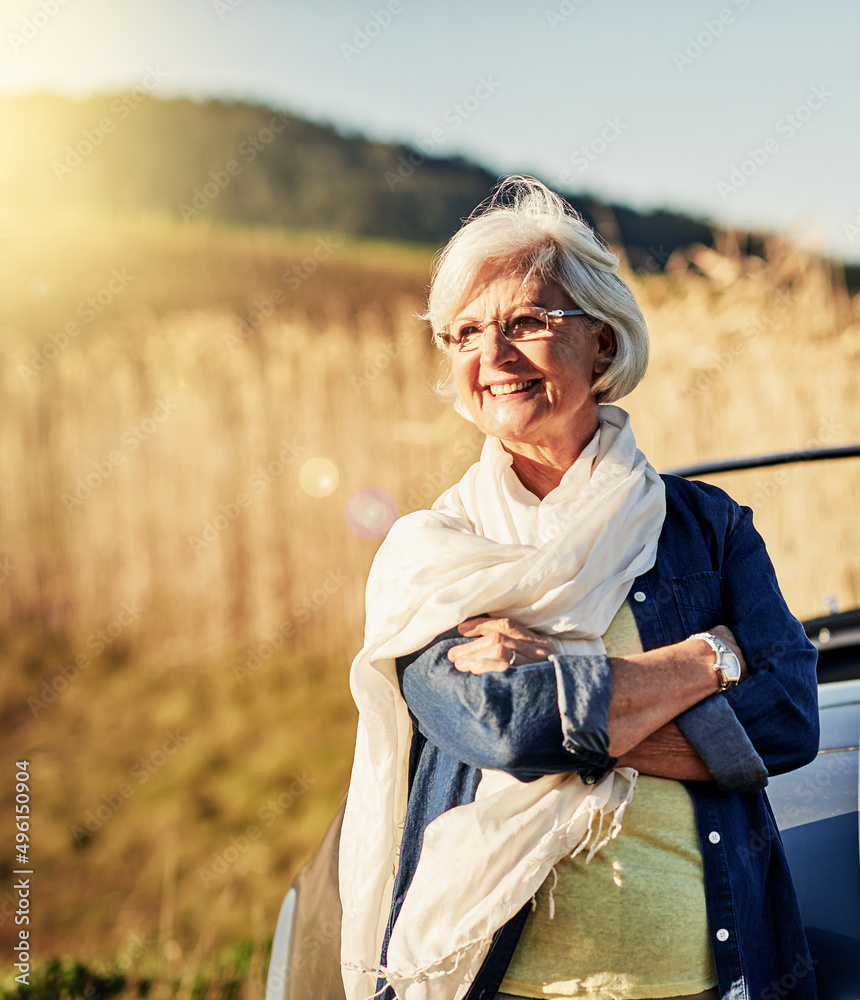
{"x": 498, "y": 643}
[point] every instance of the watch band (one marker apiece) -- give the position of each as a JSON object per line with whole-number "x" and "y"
{"x": 726, "y": 666}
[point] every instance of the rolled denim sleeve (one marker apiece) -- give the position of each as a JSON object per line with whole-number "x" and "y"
{"x": 538, "y": 718}
{"x": 777, "y": 704}
{"x": 716, "y": 734}
{"x": 768, "y": 723}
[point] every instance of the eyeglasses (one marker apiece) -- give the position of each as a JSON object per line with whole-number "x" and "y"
{"x": 528, "y": 323}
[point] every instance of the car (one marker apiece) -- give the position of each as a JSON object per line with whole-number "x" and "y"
{"x": 816, "y": 809}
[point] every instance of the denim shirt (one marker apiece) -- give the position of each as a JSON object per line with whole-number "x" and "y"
{"x": 711, "y": 569}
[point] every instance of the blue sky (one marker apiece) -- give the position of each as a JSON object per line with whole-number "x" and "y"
{"x": 744, "y": 111}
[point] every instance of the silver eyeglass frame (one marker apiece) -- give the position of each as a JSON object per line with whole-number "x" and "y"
{"x": 503, "y": 325}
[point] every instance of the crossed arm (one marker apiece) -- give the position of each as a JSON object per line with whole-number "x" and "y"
{"x": 551, "y": 714}
{"x": 649, "y": 690}
{"x": 506, "y": 715}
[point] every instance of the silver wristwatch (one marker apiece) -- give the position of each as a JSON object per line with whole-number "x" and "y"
{"x": 727, "y": 665}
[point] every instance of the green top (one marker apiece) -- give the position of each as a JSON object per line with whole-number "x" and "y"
{"x": 631, "y": 923}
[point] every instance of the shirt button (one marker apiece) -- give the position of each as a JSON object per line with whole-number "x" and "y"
{"x": 589, "y": 779}
{"x": 639, "y": 596}
{"x": 722, "y": 934}
{"x": 714, "y": 837}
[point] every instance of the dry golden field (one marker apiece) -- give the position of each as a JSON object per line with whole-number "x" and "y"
{"x": 189, "y": 415}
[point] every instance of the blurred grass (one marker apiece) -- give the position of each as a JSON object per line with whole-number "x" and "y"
{"x": 183, "y": 766}
{"x": 227, "y": 975}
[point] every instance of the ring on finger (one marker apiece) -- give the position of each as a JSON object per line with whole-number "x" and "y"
{"x": 513, "y": 657}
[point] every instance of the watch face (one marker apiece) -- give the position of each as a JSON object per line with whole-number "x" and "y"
{"x": 731, "y": 666}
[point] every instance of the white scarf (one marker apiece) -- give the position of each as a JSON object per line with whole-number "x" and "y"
{"x": 563, "y": 567}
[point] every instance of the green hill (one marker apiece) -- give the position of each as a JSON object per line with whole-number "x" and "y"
{"x": 247, "y": 164}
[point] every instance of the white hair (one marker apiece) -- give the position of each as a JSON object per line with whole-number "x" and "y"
{"x": 526, "y": 227}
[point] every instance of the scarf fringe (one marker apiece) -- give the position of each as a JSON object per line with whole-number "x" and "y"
{"x": 591, "y": 838}
{"x": 423, "y": 974}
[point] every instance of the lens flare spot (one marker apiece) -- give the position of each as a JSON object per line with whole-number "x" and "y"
{"x": 370, "y": 513}
{"x": 319, "y": 477}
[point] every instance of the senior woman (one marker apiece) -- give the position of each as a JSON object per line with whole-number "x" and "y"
{"x": 577, "y": 675}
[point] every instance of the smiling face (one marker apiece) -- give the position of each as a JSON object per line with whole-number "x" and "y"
{"x": 535, "y": 395}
